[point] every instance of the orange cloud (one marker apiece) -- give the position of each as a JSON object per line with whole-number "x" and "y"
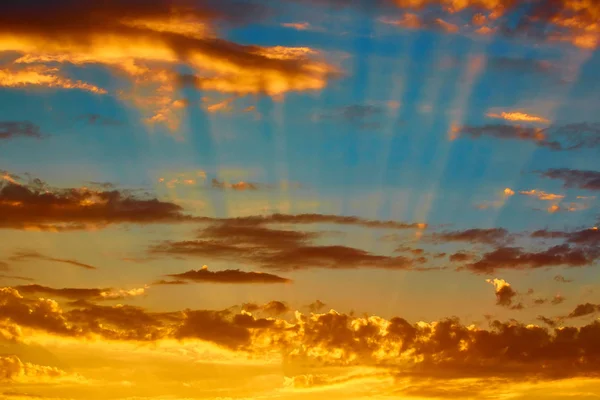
{"x": 541, "y": 195}
{"x": 505, "y": 294}
{"x": 43, "y": 77}
{"x": 143, "y": 43}
{"x": 439, "y": 349}
{"x": 517, "y": 116}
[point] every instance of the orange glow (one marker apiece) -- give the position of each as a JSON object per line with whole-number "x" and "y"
{"x": 517, "y": 116}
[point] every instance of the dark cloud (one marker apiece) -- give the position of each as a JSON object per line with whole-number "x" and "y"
{"x": 548, "y": 321}
{"x": 34, "y": 255}
{"x": 228, "y": 276}
{"x": 165, "y": 282}
{"x": 247, "y": 240}
{"x": 574, "y": 178}
{"x": 460, "y": 257}
{"x": 485, "y": 236}
{"x": 273, "y": 308}
{"x": 234, "y": 186}
{"x": 100, "y": 120}
{"x": 316, "y": 306}
{"x": 562, "y": 279}
{"x": 16, "y": 277}
{"x": 583, "y": 310}
{"x": 355, "y": 114}
{"x": 67, "y": 293}
{"x": 13, "y": 129}
{"x": 306, "y": 219}
{"x": 505, "y": 294}
{"x": 35, "y": 205}
{"x": 509, "y": 132}
{"x": 516, "y": 258}
{"x": 444, "y": 349}
{"x": 558, "y": 138}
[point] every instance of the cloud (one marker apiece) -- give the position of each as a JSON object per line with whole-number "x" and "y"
{"x": 414, "y": 21}
{"x": 574, "y": 178}
{"x": 562, "y": 279}
{"x": 556, "y": 137}
{"x": 273, "y": 308}
{"x": 13, "y": 129}
{"x": 34, "y": 255}
{"x": 583, "y": 310}
{"x": 240, "y": 186}
{"x": 517, "y": 116}
{"x": 248, "y": 240}
{"x": 505, "y": 294}
{"x": 145, "y": 41}
{"x": 82, "y": 293}
{"x": 18, "y": 278}
{"x": 485, "y": 236}
{"x": 516, "y": 258}
{"x": 440, "y": 349}
{"x": 228, "y": 276}
{"x": 41, "y": 76}
{"x": 100, "y": 120}
{"x": 299, "y": 26}
{"x": 541, "y": 195}
{"x": 507, "y": 132}
{"x": 14, "y": 370}
{"x": 316, "y": 306}
{"x": 36, "y": 206}
{"x": 460, "y": 257}
{"x": 309, "y": 219}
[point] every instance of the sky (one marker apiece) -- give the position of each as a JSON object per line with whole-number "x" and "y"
{"x": 299, "y": 199}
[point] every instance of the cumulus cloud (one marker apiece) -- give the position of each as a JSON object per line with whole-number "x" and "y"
{"x": 12, "y": 369}
{"x": 505, "y": 294}
{"x": 228, "y": 276}
{"x": 440, "y": 349}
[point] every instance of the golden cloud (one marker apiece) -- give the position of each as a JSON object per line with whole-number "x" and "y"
{"x": 517, "y": 116}
{"x": 144, "y": 43}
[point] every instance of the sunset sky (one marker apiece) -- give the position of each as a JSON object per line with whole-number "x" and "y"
{"x": 299, "y": 199}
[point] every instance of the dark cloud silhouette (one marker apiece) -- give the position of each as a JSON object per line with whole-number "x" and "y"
{"x": 14, "y": 129}
{"x": 574, "y": 178}
{"x": 485, "y": 236}
{"x": 37, "y": 206}
{"x": 248, "y": 240}
{"x": 34, "y": 255}
{"x": 562, "y": 279}
{"x": 583, "y": 310}
{"x": 227, "y": 276}
{"x": 517, "y": 258}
